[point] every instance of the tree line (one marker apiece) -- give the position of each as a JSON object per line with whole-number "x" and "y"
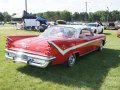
{"x": 82, "y": 16}
{"x": 5, "y": 16}
{"x": 68, "y": 16}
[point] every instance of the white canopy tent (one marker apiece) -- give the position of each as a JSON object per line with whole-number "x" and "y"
{"x": 26, "y": 19}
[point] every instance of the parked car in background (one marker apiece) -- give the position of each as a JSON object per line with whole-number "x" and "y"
{"x": 118, "y": 33}
{"x": 96, "y": 27}
{"x": 59, "y": 22}
{"x": 105, "y": 25}
{"x": 75, "y": 23}
{"x": 43, "y": 27}
{"x": 2, "y": 22}
{"x": 56, "y": 45}
{"x": 112, "y": 25}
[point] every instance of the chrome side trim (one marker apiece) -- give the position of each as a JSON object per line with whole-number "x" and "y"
{"x": 63, "y": 52}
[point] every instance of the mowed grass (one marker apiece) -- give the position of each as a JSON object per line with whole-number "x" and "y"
{"x": 94, "y": 71}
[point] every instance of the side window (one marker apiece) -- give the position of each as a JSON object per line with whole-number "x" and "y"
{"x": 86, "y": 32}
{"x": 69, "y": 32}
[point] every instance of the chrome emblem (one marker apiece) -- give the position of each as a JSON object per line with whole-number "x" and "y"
{"x": 25, "y": 45}
{"x": 63, "y": 47}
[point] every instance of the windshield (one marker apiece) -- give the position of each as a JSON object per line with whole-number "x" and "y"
{"x": 57, "y": 31}
{"x": 91, "y": 25}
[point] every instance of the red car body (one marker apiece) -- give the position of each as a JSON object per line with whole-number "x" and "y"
{"x": 118, "y": 33}
{"x": 44, "y": 50}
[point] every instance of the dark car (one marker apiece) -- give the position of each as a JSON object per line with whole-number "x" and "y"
{"x": 112, "y": 25}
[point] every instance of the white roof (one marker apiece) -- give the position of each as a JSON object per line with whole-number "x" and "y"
{"x": 18, "y": 15}
{"x": 76, "y": 26}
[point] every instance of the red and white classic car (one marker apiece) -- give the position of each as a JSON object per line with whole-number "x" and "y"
{"x": 57, "y": 45}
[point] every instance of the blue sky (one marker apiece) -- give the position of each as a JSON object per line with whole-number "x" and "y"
{"x": 34, "y": 6}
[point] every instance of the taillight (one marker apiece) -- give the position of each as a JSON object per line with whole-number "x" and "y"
{"x": 8, "y": 42}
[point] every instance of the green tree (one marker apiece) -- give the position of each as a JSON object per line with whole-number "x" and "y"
{"x": 83, "y": 16}
{"x": 7, "y": 17}
{"x": 1, "y": 17}
{"x": 91, "y": 17}
{"x": 76, "y": 16}
{"x": 116, "y": 15}
{"x": 66, "y": 15}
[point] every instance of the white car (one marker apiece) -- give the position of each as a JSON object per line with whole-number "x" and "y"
{"x": 96, "y": 28}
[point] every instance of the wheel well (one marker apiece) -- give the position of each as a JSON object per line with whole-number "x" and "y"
{"x": 103, "y": 42}
{"x": 77, "y": 55}
{"x": 95, "y": 31}
{"x": 66, "y": 62}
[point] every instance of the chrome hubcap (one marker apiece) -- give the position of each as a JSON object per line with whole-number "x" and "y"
{"x": 71, "y": 60}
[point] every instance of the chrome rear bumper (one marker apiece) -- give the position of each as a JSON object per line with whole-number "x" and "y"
{"x": 31, "y": 59}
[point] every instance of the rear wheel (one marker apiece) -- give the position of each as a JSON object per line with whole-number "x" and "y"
{"x": 101, "y": 32}
{"x": 100, "y": 48}
{"x": 71, "y": 60}
{"x": 95, "y": 31}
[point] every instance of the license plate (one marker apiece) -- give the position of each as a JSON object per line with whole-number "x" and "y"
{"x": 11, "y": 55}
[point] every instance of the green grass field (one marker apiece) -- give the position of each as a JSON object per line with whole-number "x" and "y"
{"x": 95, "y": 71}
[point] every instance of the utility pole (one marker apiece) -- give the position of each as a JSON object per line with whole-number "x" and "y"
{"x": 26, "y": 5}
{"x": 86, "y": 6}
{"x": 86, "y": 3}
{"x": 107, "y": 14}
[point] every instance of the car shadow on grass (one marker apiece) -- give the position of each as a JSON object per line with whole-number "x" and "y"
{"x": 107, "y": 33}
{"x": 90, "y": 70}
